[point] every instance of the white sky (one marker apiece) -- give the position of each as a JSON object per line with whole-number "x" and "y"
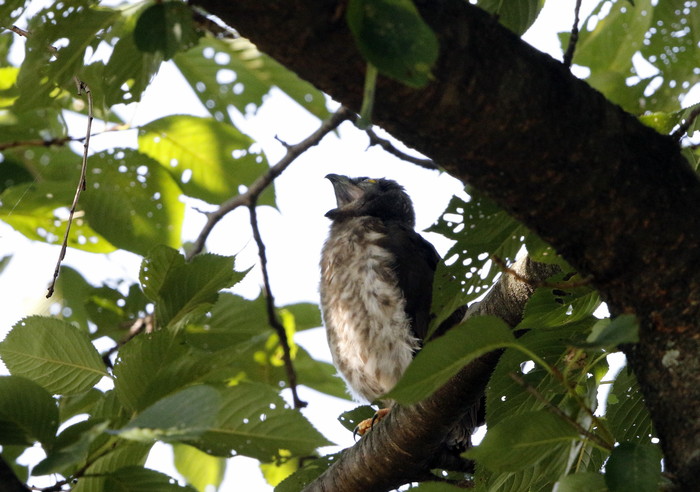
{"x": 293, "y": 236}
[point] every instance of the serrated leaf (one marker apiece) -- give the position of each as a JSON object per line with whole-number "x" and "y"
{"x": 43, "y": 74}
{"x": 54, "y": 354}
{"x": 132, "y": 201}
{"x": 442, "y": 358}
{"x": 550, "y": 307}
{"x": 139, "y": 479}
{"x": 392, "y": 36}
{"x": 28, "y": 413}
{"x": 71, "y": 447}
{"x": 201, "y": 470}
{"x": 582, "y": 482}
{"x": 72, "y": 405}
{"x": 233, "y": 73}
{"x": 177, "y": 417}
{"x": 167, "y": 28}
{"x": 37, "y": 211}
{"x": 626, "y": 413}
{"x": 516, "y": 15}
{"x": 255, "y": 421}
{"x": 352, "y": 418}
{"x": 634, "y": 467}
{"x": 125, "y": 454}
{"x": 182, "y": 291}
{"x": 522, "y": 440}
{"x": 210, "y": 160}
{"x": 609, "y": 333}
{"x": 307, "y": 474}
{"x": 152, "y": 366}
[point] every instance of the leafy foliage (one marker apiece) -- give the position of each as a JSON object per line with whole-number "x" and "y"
{"x": 193, "y": 365}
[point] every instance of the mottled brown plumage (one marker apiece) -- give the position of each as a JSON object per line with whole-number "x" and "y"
{"x": 376, "y": 287}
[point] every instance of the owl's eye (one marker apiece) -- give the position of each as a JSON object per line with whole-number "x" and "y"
{"x": 370, "y": 180}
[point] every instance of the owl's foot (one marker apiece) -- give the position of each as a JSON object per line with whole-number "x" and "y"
{"x": 366, "y": 425}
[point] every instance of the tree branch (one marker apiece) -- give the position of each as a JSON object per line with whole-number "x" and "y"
{"x": 270, "y": 307}
{"x": 580, "y": 172}
{"x": 569, "y": 55}
{"x": 375, "y": 139}
{"x": 259, "y": 185}
{"x": 406, "y": 445}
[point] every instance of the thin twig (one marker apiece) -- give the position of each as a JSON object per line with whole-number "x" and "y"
{"x": 560, "y": 413}
{"x": 685, "y": 126}
{"x": 569, "y": 55}
{"x": 38, "y": 142}
{"x": 82, "y": 89}
{"x": 259, "y": 185}
{"x": 270, "y": 305}
{"x": 375, "y": 139}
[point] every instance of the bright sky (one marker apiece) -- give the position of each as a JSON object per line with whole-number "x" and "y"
{"x": 293, "y": 236}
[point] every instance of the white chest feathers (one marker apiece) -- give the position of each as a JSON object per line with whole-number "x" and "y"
{"x": 363, "y": 309}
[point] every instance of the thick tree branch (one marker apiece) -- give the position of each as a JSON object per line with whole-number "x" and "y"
{"x": 614, "y": 197}
{"x": 407, "y": 443}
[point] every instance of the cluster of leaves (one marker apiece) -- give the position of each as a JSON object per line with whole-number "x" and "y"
{"x": 205, "y": 375}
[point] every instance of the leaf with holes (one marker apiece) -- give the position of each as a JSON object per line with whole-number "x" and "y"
{"x": 550, "y": 307}
{"x": 52, "y": 353}
{"x": 227, "y": 73}
{"x": 627, "y": 415}
{"x": 182, "y": 291}
{"x": 254, "y": 421}
{"x": 210, "y": 160}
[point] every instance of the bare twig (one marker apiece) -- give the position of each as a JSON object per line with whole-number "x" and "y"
{"x": 685, "y": 126}
{"x": 270, "y": 306}
{"x": 82, "y": 89}
{"x": 251, "y": 194}
{"x": 38, "y": 142}
{"x": 375, "y": 139}
{"x": 569, "y": 55}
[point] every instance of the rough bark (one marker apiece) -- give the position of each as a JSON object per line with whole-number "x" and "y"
{"x": 615, "y": 198}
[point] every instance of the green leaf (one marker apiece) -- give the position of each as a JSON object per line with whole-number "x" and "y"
{"x": 41, "y": 124}
{"x": 436, "y": 487}
{"x": 351, "y": 419}
{"x": 608, "y": 333}
{"x": 306, "y": 315}
{"x": 27, "y": 412}
{"x": 44, "y": 74}
{"x": 210, "y": 160}
{"x": 582, "y": 482}
{"x": 10, "y": 10}
{"x": 183, "y": 415}
{"x": 516, "y": 15}
{"x": 227, "y": 73}
{"x": 132, "y": 201}
{"x": 183, "y": 291}
{"x": 442, "y": 358}
{"x": 634, "y": 467}
{"x": 307, "y": 474}
{"x": 201, "y": 470}
{"x": 54, "y": 354}
{"x": 71, "y": 447}
{"x": 277, "y": 471}
{"x": 255, "y": 421}
{"x": 72, "y": 405}
{"x": 152, "y": 366}
{"x": 522, "y": 440}
{"x": 481, "y": 230}
{"x": 139, "y": 479}
{"x": 167, "y": 28}
{"x": 392, "y": 36}
{"x": 548, "y": 307}
{"x": 124, "y": 454}
{"x": 627, "y": 415}
{"x": 38, "y": 211}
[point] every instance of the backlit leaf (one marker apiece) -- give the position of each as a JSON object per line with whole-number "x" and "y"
{"x": 201, "y": 470}
{"x": 28, "y": 413}
{"x": 167, "y": 28}
{"x": 54, "y": 354}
